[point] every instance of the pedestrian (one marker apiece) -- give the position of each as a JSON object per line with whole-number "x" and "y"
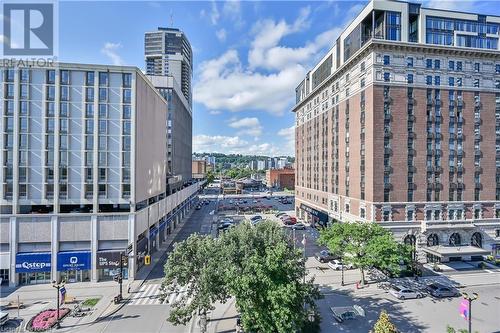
{"x": 129, "y": 285}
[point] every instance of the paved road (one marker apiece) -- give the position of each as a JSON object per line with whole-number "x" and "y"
{"x": 145, "y": 312}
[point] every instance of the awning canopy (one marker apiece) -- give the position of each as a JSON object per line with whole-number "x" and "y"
{"x": 455, "y": 251}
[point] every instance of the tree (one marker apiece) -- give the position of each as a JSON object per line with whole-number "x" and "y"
{"x": 267, "y": 277}
{"x": 384, "y": 324}
{"x": 210, "y": 177}
{"x": 362, "y": 244}
{"x": 194, "y": 263}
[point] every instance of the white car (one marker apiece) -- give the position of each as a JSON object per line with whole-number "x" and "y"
{"x": 404, "y": 293}
{"x": 337, "y": 265}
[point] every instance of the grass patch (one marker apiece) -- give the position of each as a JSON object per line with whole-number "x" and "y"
{"x": 90, "y": 302}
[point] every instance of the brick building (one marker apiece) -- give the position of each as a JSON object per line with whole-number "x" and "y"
{"x": 281, "y": 178}
{"x": 399, "y": 123}
{"x": 199, "y": 169}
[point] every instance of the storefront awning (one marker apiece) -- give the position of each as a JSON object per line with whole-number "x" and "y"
{"x": 455, "y": 251}
{"x": 322, "y": 216}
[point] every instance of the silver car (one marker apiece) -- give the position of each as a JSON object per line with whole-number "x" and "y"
{"x": 405, "y": 293}
{"x": 440, "y": 291}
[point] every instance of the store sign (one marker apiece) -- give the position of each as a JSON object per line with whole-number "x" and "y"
{"x": 33, "y": 262}
{"x": 68, "y": 261}
{"x": 314, "y": 212}
{"x": 110, "y": 260}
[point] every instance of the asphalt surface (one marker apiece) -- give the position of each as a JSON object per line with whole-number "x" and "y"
{"x": 145, "y": 312}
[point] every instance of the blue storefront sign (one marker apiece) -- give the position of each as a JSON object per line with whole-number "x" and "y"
{"x": 33, "y": 262}
{"x": 74, "y": 260}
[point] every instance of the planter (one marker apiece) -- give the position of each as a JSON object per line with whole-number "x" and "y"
{"x": 46, "y": 319}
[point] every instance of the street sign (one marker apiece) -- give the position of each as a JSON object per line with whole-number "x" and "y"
{"x": 63, "y": 294}
{"x": 130, "y": 248}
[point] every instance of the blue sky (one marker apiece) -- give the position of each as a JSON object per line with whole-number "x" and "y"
{"x": 248, "y": 57}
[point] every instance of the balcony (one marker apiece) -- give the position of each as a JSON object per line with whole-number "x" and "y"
{"x": 388, "y": 169}
{"x": 478, "y": 153}
{"x": 387, "y": 186}
{"x": 461, "y": 186}
{"x": 430, "y": 102}
{"x": 478, "y": 169}
{"x": 459, "y": 102}
{"x": 430, "y": 168}
{"x": 478, "y": 186}
{"x": 388, "y": 99}
{"x": 387, "y": 151}
{"x": 387, "y": 134}
{"x": 411, "y": 101}
{"x": 387, "y": 116}
{"x": 460, "y": 169}
{"x": 412, "y": 152}
{"x": 477, "y": 103}
{"x": 412, "y": 186}
{"x": 412, "y": 168}
{"x": 438, "y": 102}
{"x": 438, "y": 169}
{"x": 412, "y": 135}
{"x": 438, "y": 152}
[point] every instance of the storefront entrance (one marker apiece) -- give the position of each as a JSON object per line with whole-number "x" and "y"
{"x": 34, "y": 278}
{"x": 75, "y": 276}
{"x": 33, "y": 267}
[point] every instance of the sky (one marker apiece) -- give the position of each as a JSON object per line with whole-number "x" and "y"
{"x": 248, "y": 57}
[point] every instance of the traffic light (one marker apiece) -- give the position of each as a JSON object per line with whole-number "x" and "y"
{"x": 118, "y": 278}
{"x": 147, "y": 260}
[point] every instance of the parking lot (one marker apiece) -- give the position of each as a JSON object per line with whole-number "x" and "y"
{"x": 428, "y": 314}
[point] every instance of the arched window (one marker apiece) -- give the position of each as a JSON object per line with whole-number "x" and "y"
{"x": 455, "y": 239}
{"x": 411, "y": 240}
{"x": 432, "y": 240}
{"x": 476, "y": 240}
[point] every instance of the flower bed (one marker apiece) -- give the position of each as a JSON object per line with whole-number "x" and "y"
{"x": 45, "y": 320}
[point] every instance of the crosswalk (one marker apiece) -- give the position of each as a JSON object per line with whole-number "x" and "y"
{"x": 149, "y": 294}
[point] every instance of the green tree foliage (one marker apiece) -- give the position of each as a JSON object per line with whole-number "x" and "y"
{"x": 266, "y": 275}
{"x": 196, "y": 263}
{"x": 384, "y": 324}
{"x": 364, "y": 245}
{"x": 450, "y": 329}
{"x": 255, "y": 264}
{"x": 210, "y": 177}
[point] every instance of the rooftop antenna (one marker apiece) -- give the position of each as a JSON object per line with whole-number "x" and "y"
{"x": 171, "y": 19}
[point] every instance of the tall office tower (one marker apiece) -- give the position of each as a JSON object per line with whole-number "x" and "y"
{"x": 168, "y": 52}
{"x": 179, "y": 131}
{"x": 399, "y": 124}
{"x": 83, "y": 172}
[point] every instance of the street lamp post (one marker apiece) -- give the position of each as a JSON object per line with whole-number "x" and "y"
{"x": 58, "y": 287}
{"x": 470, "y": 299}
{"x": 342, "y": 275}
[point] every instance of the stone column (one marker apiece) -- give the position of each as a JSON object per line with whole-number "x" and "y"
{"x": 54, "y": 247}
{"x": 94, "y": 247}
{"x": 13, "y": 277}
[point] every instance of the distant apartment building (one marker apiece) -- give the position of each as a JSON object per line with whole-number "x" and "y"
{"x": 168, "y": 53}
{"x": 281, "y": 178}
{"x": 83, "y": 173}
{"x": 253, "y": 165}
{"x": 399, "y": 123}
{"x": 199, "y": 169}
{"x": 262, "y": 165}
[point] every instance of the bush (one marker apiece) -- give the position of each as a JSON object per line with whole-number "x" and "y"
{"x": 45, "y": 320}
{"x": 90, "y": 302}
{"x": 384, "y": 324}
{"x": 489, "y": 258}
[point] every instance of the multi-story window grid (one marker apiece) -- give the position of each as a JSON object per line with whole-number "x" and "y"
{"x": 477, "y": 146}
{"x": 89, "y": 135}
{"x": 362, "y": 115}
{"x": 497, "y": 146}
{"x": 126, "y": 133}
{"x": 64, "y": 86}
{"x": 460, "y": 146}
{"x": 23, "y": 138}
{"x": 438, "y": 136}
{"x": 50, "y": 132}
{"x": 8, "y": 142}
{"x": 452, "y": 146}
{"x": 347, "y": 166}
{"x": 411, "y": 144}
{"x": 430, "y": 135}
{"x": 387, "y": 144}
{"x": 336, "y": 151}
{"x": 102, "y": 137}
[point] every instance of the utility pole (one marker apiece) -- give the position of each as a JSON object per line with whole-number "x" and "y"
{"x": 58, "y": 287}
{"x": 470, "y": 299}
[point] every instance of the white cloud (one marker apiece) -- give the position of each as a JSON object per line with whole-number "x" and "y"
{"x": 214, "y": 13}
{"x": 221, "y": 34}
{"x": 111, "y": 51}
{"x": 288, "y": 135}
{"x": 267, "y": 83}
{"x": 461, "y": 5}
{"x": 232, "y": 10}
{"x": 235, "y": 145}
{"x": 214, "y": 112}
{"x": 247, "y": 126}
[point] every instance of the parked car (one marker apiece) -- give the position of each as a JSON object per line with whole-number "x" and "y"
{"x": 198, "y": 207}
{"x": 255, "y": 218}
{"x": 280, "y": 214}
{"x": 404, "y": 293}
{"x": 439, "y": 290}
{"x": 324, "y": 256}
{"x": 4, "y": 317}
{"x": 225, "y": 226}
{"x": 289, "y": 220}
{"x": 337, "y": 265}
{"x": 343, "y": 313}
{"x": 284, "y": 216}
{"x": 299, "y": 226}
